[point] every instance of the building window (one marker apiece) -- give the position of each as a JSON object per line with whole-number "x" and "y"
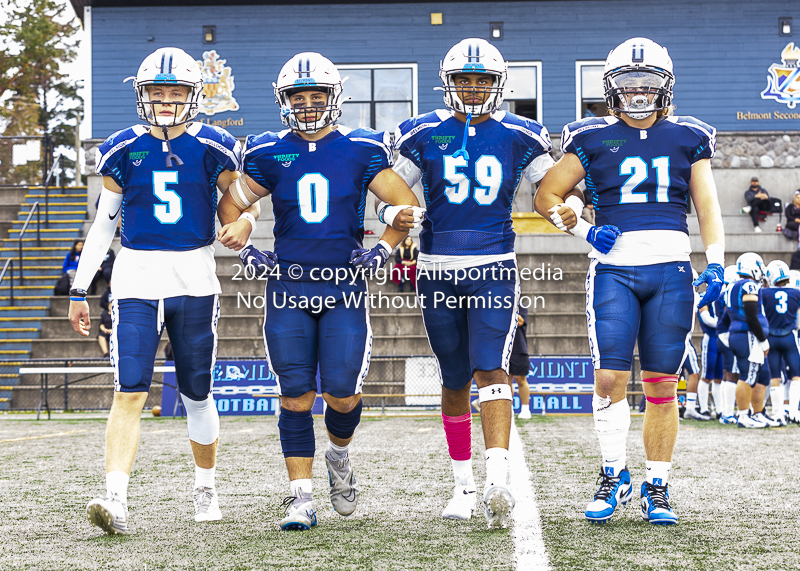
{"x": 590, "y": 99}
{"x": 381, "y": 96}
{"x": 523, "y": 91}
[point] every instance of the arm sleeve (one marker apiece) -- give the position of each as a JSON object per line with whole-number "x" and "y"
{"x": 538, "y": 167}
{"x": 99, "y": 238}
{"x": 751, "y": 316}
{"x": 707, "y": 318}
{"x": 407, "y": 170}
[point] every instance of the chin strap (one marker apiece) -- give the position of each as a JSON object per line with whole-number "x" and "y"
{"x": 170, "y": 155}
{"x": 462, "y": 152}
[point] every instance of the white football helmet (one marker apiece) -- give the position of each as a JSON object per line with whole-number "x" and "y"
{"x": 634, "y": 71}
{"x": 473, "y": 55}
{"x": 750, "y": 265}
{"x": 777, "y": 271}
{"x": 168, "y": 66}
{"x": 304, "y": 72}
{"x": 794, "y": 279}
{"x": 730, "y": 276}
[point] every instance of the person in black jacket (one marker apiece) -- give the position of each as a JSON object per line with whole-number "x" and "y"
{"x": 757, "y": 201}
{"x": 104, "y": 272}
{"x": 792, "y": 227}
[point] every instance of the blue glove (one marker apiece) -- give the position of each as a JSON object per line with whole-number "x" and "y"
{"x": 370, "y": 259}
{"x": 712, "y": 277}
{"x": 255, "y": 258}
{"x": 603, "y": 237}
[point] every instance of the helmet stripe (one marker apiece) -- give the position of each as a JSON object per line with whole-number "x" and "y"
{"x": 169, "y": 64}
{"x": 163, "y": 57}
{"x": 638, "y": 54}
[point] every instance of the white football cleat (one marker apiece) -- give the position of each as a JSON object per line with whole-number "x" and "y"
{"x": 300, "y": 513}
{"x": 695, "y": 415}
{"x": 766, "y": 419}
{"x": 462, "y": 505}
{"x": 206, "y": 504}
{"x": 497, "y": 505}
{"x": 747, "y": 421}
{"x": 344, "y": 491}
{"x": 109, "y": 514}
{"x": 524, "y": 414}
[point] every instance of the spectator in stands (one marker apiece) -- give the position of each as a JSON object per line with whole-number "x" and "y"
{"x": 792, "y": 227}
{"x": 757, "y": 201}
{"x": 405, "y": 264}
{"x": 71, "y": 260}
{"x": 104, "y": 271}
{"x": 104, "y": 335}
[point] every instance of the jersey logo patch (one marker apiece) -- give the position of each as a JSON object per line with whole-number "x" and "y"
{"x": 286, "y": 160}
{"x": 312, "y": 147}
{"x": 138, "y": 157}
{"x": 642, "y": 134}
{"x": 614, "y": 145}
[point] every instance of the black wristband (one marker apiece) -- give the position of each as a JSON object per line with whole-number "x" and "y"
{"x": 77, "y": 293}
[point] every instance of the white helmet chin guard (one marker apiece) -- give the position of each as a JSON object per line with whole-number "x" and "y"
{"x": 638, "y": 79}
{"x": 309, "y": 71}
{"x": 750, "y": 265}
{"x": 168, "y": 66}
{"x": 473, "y": 55}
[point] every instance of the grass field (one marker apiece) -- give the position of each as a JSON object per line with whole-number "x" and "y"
{"x": 737, "y": 494}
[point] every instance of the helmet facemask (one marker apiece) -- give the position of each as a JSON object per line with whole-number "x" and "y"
{"x": 183, "y": 111}
{"x": 324, "y": 115}
{"x": 456, "y": 96}
{"x": 638, "y": 91}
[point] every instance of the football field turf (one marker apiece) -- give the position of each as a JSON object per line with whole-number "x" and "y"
{"x": 736, "y": 492}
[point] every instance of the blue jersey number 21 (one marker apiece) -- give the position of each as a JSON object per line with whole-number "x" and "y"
{"x": 488, "y": 176}
{"x": 171, "y": 211}
{"x": 636, "y": 170}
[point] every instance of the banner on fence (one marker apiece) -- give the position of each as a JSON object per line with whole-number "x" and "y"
{"x": 241, "y": 388}
{"x": 559, "y": 375}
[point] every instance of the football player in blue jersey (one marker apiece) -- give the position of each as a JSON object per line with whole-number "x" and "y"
{"x": 470, "y": 159}
{"x": 641, "y": 166}
{"x": 162, "y": 181}
{"x": 781, "y": 304}
{"x": 318, "y": 175}
{"x": 730, "y": 369}
{"x": 749, "y": 332}
{"x": 710, "y": 360}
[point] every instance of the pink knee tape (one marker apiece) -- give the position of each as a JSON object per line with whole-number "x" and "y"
{"x": 458, "y": 431}
{"x": 661, "y": 380}
{"x": 660, "y": 400}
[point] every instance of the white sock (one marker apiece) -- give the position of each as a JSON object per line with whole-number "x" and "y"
{"x": 794, "y": 398}
{"x": 462, "y": 472}
{"x": 612, "y": 423}
{"x": 204, "y": 477}
{"x": 776, "y": 400}
{"x": 702, "y": 395}
{"x": 658, "y": 472}
{"x": 715, "y": 394}
{"x": 740, "y": 413}
{"x": 336, "y": 452}
{"x": 496, "y": 467}
{"x": 117, "y": 483}
{"x": 297, "y": 486}
{"x": 691, "y": 401}
{"x": 729, "y": 397}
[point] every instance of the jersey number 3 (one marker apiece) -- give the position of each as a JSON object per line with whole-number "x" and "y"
{"x": 172, "y": 209}
{"x": 636, "y": 170}
{"x": 488, "y": 175}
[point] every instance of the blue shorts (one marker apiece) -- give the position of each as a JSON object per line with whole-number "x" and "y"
{"x": 476, "y": 333}
{"x": 728, "y": 358}
{"x": 710, "y": 358}
{"x": 654, "y": 304}
{"x": 751, "y": 373}
{"x": 325, "y": 335}
{"x": 783, "y": 348}
{"x": 691, "y": 363}
{"x": 191, "y": 324}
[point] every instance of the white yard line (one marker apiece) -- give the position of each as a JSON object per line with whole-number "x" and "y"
{"x": 526, "y": 529}
{"x": 53, "y": 435}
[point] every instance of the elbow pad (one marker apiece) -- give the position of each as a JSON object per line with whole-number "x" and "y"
{"x": 99, "y": 239}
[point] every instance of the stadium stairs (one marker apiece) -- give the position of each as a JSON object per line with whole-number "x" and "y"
{"x": 557, "y": 324}
{"x": 21, "y": 323}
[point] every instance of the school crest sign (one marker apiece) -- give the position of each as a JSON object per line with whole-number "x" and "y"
{"x": 783, "y": 80}
{"x": 218, "y": 85}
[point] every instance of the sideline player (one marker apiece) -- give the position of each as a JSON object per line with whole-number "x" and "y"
{"x": 520, "y": 364}
{"x": 749, "y": 340}
{"x": 710, "y": 359}
{"x": 781, "y": 303}
{"x": 318, "y": 174}
{"x": 470, "y": 159}
{"x": 162, "y": 181}
{"x": 642, "y": 287}
{"x": 730, "y": 369}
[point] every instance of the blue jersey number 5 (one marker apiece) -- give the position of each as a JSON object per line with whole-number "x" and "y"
{"x": 171, "y": 211}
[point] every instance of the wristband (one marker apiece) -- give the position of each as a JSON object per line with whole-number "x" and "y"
{"x": 576, "y": 204}
{"x": 581, "y": 229}
{"x": 381, "y": 209}
{"x": 77, "y": 294}
{"x": 715, "y": 254}
{"x": 250, "y": 218}
{"x": 386, "y": 246}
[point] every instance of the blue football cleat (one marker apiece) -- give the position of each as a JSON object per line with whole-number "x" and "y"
{"x": 300, "y": 513}
{"x": 613, "y": 490}
{"x": 655, "y": 505}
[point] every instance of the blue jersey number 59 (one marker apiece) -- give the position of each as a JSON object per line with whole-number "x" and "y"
{"x": 171, "y": 211}
{"x": 488, "y": 176}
